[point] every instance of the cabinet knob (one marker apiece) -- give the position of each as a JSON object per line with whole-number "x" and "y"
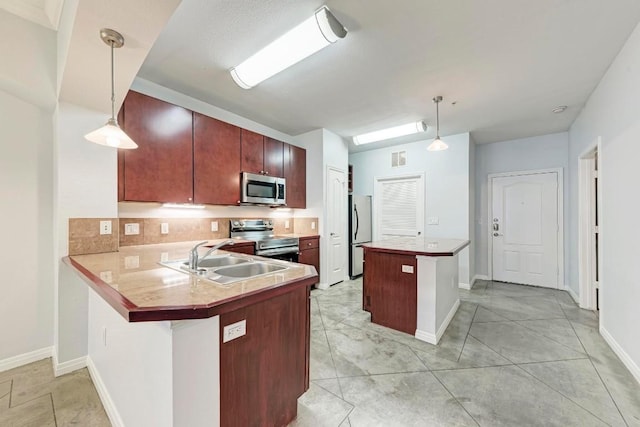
{"x": 190, "y": 198}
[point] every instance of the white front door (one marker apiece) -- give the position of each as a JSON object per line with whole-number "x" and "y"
{"x": 398, "y": 206}
{"x": 525, "y": 229}
{"x": 336, "y": 225}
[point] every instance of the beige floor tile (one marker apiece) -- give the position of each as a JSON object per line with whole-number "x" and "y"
{"x": 76, "y": 401}
{"x": 34, "y": 413}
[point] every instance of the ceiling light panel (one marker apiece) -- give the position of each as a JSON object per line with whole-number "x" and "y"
{"x": 315, "y": 33}
{"x": 394, "y": 132}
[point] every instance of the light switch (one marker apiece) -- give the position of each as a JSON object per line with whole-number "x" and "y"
{"x": 313, "y": 225}
{"x": 234, "y": 330}
{"x": 164, "y": 228}
{"x": 131, "y": 229}
{"x": 286, "y": 223}
{"x": 214, "y": 225}
{"x": 105, "y": 227}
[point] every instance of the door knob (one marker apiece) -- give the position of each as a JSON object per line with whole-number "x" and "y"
{"x": 496, "y": 234}
{"x": 333, "y": 234}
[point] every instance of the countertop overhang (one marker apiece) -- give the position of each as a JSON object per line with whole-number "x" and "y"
{"x": 134, "y": 283}
{"x": 424, "y": 246}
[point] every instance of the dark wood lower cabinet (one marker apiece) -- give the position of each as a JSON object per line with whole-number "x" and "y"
{"x": 389, "y": 294}
{"x": 310, "y": 252}
{"x": 263, "y": 373}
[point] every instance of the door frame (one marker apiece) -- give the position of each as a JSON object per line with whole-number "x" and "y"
{"x": 586, "y": 219}
{"x": 560, "y": 195}
{"x": 375, "y": 235}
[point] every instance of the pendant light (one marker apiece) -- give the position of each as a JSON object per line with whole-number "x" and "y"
{"x": 110, "y": 134}
{"x": 437, "y": 144}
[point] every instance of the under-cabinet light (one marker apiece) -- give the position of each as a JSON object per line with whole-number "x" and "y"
{"x": 389, "y": 133}
{"x": 182, "y": 206}
{"x": 315, "y": 33}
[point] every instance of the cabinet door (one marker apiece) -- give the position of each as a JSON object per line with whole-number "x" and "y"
{"x": 310, "y": 257}
{"x": 273, "y": 156}
{"x": 295, "y": 172}
{"x": 161, "y": 168}
{"x": 216, "y": 161}
{"x": 252, "y": 152}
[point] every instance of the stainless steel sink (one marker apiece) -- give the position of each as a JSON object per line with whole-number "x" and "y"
{"x": 219, "y": 261}
{"x": 249, "y": 270}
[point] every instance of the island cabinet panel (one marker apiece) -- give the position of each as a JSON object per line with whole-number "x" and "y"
{"x": 252, "y": 152}
{"x": 390, "y": 294}
{"x": 273, "y": 157}
{"x": 243, "y": 248}
{"x": 295, "y": 172}
{"x": 310, "y": 252}
{"x": 216, "y": 161}
{"x": 161, "y": 168}
{"x": 263, "y": 373}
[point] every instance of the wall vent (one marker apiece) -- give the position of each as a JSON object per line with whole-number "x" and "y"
{"x": 398, "y": 158}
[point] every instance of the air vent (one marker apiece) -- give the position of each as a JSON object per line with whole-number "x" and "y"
{"x": 398, "y": 158}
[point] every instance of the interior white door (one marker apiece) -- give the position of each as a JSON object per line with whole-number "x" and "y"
{"x": 399, "y": 206}
{"x": 336, "y": 225}
{"x": 525, "y": 228}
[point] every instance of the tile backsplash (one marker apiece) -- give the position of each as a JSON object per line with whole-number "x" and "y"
{"x": 85, "y": 238}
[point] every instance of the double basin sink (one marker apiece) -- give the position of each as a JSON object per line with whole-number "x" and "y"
{"x": 227, "y": 268}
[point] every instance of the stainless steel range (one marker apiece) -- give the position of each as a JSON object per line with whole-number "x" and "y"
{"x": 267, "y": 244}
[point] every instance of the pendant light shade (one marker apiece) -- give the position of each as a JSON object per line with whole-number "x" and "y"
{"x": 437, "y": 144}
{"x": 110, "y": 134}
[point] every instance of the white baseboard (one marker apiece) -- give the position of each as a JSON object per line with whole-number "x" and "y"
{"x": 464, "y": 286}
{"x": 107, "y": 402}
{"x": 68, "y": 366}
{"x": 322, "y": 286}
{"x": 25, "y": 358}
{"x": 479, "y": 277}
{"x": 571, "y": 292}
{"x": 626, "y": 359}
{"x": 433, "y": 339}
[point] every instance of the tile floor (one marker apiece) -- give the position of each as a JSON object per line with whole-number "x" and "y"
{"x": 512, "y": 356}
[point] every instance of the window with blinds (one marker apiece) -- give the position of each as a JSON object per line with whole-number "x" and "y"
{"x": 400, "y": 206}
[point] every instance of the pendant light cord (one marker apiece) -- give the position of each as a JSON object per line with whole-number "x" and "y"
{"x": 113, "y": 91}
{"x": 437, "y": 119}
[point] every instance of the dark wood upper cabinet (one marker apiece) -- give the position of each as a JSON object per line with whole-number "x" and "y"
{"x": 216, "y": 161}
{"x": 252, "y": 152}
{"x": 161, "y": 168}
{"x": 273, "y": 156}
{"x": 295, "y": 172}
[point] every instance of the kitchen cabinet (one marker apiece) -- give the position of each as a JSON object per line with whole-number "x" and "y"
{"x": 310, "y": 251}
{"x": 295, "y": 172}
{"x": 216, "y": 161}
{"x": 261, "y": 154}
{"x": 161, "y": 168}
{"x": 243, "y": 248}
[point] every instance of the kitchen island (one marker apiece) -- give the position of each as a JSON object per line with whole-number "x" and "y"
{"x": 410, "y": 284}
{"x": 168, "y": 348}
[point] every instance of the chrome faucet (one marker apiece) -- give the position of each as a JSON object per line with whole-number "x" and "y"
{"x": 193, "y": 254}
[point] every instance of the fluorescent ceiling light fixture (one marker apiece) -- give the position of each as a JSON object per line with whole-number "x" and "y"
{"x": 110, "y": 134}
{"x": 437, "y": 144}
{"x": 315, "y": 33}
{"x": 394, "y": 132}
{"x": 182, "y": 206}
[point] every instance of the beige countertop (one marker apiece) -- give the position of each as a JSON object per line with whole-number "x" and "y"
{"x": 137, "y": 286}
{"x": 425, "y": 246}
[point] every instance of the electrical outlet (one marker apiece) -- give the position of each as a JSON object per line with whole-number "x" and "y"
{"x": 105, "y": 227}
{"x": 131, "y": 229}
{"x": 214, "y": 225}
{"x": 433, "y": 220}
{"x": 234, "y": 330}
{"x": 286, "y": 223}
{"x": 164, "y": 228}
{"x": 313, "y": 225}
{"x": 407, "y": 269}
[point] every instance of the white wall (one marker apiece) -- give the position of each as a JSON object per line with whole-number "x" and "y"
{"x": 612, "y": 114}
{"x": 539, "y": 152}
{"x": 26, "y": 305}
{"x": 27, "y": 99}
{"x": 447, "y": 186}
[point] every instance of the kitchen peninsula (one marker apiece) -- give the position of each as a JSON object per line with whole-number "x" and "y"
{"x": 410, "y": 284}
{"x": 169, "y": 348}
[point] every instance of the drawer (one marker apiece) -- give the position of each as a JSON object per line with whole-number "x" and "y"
{"x": 309, "y": 243}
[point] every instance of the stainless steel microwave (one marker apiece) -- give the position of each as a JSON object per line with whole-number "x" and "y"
{"x": 263, "y": 189}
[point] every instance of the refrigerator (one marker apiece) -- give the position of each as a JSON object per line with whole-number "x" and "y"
{"x": 359, "y": 231}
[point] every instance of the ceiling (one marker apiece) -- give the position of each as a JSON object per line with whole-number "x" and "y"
{"x": 506, "y": 63}
{"x": 42, "y": 12}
